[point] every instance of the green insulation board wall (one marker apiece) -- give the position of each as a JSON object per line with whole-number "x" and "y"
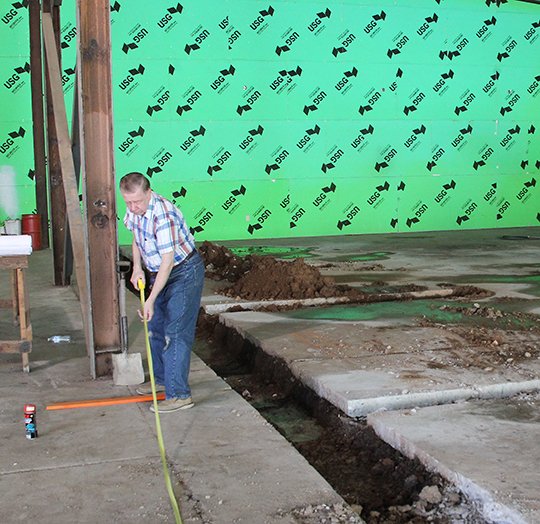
{"x": 302, "y": 118}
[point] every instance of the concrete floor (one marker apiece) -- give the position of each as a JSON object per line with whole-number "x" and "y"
{"x": 366, "y": 359}
{"x": 102, "y": 464}
{"x": 369, "y": 358}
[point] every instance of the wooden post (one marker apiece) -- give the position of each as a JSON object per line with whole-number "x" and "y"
{"x": 97, "y": 162}
{"x": 77, "y": 229}
{"x": 56, "y": 187}
{"x": 36, "y": 75}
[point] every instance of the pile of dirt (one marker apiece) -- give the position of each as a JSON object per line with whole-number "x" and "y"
{"x": 257, "y": 277}
{"x": 222, "y": 264}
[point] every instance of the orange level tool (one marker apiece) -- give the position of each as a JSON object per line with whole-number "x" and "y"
{"x": 111, "y": 401}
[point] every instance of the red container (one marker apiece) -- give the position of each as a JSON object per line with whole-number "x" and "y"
{"x": 31, "y": 225}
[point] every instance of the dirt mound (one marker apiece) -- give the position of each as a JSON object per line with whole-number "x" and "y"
{"x": 273, "y": 279}
{"x": 256, "y": 277}
{"x": 223, "y": 264}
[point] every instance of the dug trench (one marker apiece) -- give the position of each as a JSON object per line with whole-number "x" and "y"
{"x": 379, "y": 483}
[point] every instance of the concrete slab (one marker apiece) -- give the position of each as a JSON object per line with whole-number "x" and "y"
{"x": 102, "y": 464}
{"x": 487, "y": 448}
{"x": 362, "y": 369}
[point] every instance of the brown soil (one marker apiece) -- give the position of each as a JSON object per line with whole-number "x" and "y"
{"x": 499, "y": 337}
{"x": 256, "y": 277}
{"x": 377, "y": 481}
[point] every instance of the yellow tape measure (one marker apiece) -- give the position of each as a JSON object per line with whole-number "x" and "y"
{"x": 168, "y": 483}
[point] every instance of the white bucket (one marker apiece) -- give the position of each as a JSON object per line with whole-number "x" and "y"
{"x": 12, "y": 227}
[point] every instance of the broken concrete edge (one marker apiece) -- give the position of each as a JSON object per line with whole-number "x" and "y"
{"x": 363, "y": 407}
{"x": 216, "y": 309}
{"x": 491, "y": 510}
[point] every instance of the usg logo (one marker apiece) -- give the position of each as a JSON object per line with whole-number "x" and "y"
{"x": 262, "y": 215}
{"x": 389, "y": 153}
{"x": 222, "y": 157}
{"x": 344, "y": 45}
{"x": 289, "y": 41}
{"x": 416, "y": 101}
{"x": 248, "y": 141}
{"x": 217, "y": 84}
{"x": 284, "y": 77}
{"x": 524, "y": 193}
{"x": 168, "y": 18}
{"x": 138, "y": 37}
{"x": 332, "y": 161}
{"x": 128, "y": 80}
{"x": 513, "y": 100}
{"x": 278, "y": 160}
{"x": 320, "y": 96}
{"x": 188, "y": 106}
{"x": 419, "y": 211}
{"x": 507, "y": 139}
{"x": 307, "y": 137}
{"x": 483, "y": 33}
{"x": 352, "y": 211}
{"x": 256, "y": 24}
{"x": 437, "y": 155}
{"x": 373, "y": 200}
{"x": 128, "y": 142}
{"x": 440, "y": 86}
{"x": 161, "y": 101}
{"x": 401, "y": 41}
{"x": 491, "y": 192}
{"x": 466, "y": 102}
{"x": 362, "y": 136}
{"x": 459, "y": 141}
{"x": 374, "y": 97}
{"x": 9, "y": 142}
{"x": 533, "y": 87}
{"x": 190, "y": 140}
{"x": 10, "y": 17}
{"x": 230, "y": 203}
{"x": 414, "y": 137}
{"x": 345, "y": 80}
{"x": 15, "y": 78}
{"x": 442, "y": 197}
{"x": 199, "y": 39}
{"x": 372, "y": 27}
{"x": 252, "y": 98}
{"x": 424, "y": 30}
{"x": 490, "y": 84}
{"x": 317, "y": 24}
{"x": 321, "y": 199}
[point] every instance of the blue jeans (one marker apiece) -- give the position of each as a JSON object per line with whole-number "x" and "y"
{"x": 172, "y": 327}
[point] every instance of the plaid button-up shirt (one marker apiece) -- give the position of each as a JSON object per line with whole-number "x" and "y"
{"x": 160, "y": 230}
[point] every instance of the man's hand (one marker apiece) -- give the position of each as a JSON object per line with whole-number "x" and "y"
{"x": 148, "y": 312}
{"x": 137, "y": 274}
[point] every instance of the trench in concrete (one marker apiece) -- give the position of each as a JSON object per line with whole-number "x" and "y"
{"x": 380, "y": 483}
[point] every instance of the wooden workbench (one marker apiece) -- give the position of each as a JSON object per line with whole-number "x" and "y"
{"x": 21, "y": 308}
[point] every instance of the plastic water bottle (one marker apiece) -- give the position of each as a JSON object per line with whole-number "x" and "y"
{"x": 59, "y": 338}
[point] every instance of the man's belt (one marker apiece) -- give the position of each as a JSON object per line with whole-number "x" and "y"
{"x": 153, "y": 274}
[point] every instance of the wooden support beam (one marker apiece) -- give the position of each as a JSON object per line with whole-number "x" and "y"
{"x": 97, "y": 162}
{"x": 76, "y": 226}
{"x": 15, "y": 346}
{"x": 56, "y": 187}
{"x": 36, "y": 80}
